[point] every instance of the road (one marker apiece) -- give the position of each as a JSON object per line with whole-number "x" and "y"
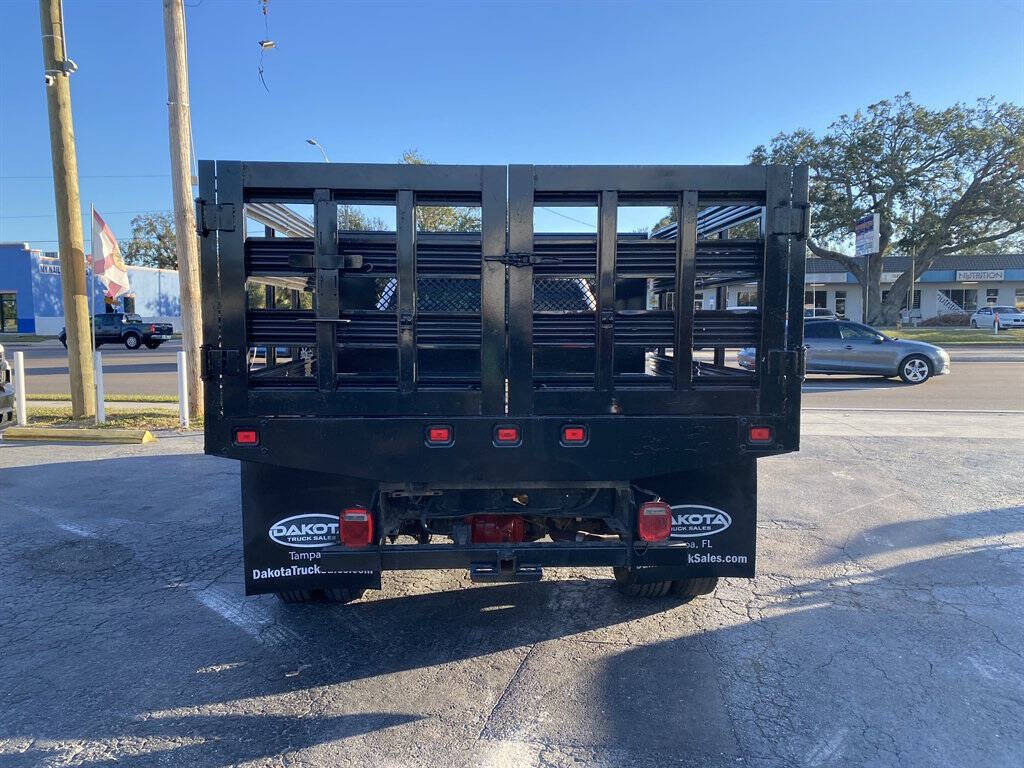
{"x": 885, "y": 627}
{"x": 982, "y": 379}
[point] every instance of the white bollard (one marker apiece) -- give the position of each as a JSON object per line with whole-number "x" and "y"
{"x": 97, "y": 365}
{"x": 19, "y": 388}
{"x": 995, "y": 324}
{"x": 182, "y": 392}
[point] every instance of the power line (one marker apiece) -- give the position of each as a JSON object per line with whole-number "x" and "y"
{"x": 570, "y": 218}
{"x": 96, "y": 176}
{"x": 105, "y": 213}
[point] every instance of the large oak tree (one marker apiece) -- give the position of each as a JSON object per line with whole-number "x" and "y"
{"x": 942, "y": 181}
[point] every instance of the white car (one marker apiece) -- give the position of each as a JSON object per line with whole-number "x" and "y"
{"x": 1009, "y": 317}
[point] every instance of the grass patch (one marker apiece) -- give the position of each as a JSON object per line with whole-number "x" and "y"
{"x": 58, "y": 416}
{"x": 134, "y": 397}
{"x": 957, "y": 335}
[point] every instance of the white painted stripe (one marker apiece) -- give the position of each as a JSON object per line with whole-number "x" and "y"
{"x": 78, "y": 530}
{"x": 904, "y": 410}
{"x": 245, "y": 613}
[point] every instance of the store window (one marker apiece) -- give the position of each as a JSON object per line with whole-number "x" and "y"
{"x": 746, "y": 298}
{"x": 1018, "y": 298}
{"x": 841, "y": 303}
{"x": 965, "y": 298}
{"x": 991, "y": 295}
{"x": 698, "y": 301}
{"x": 816, "y": 299}
{"x": 8, "y": 313}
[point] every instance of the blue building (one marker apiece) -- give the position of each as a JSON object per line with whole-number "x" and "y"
{"x": 31, "y": 301}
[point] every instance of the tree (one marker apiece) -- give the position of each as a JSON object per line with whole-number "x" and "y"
{"x": 441, "y": 218}
{"x": 152, "y": 242}
{"x": 942, "y": 181}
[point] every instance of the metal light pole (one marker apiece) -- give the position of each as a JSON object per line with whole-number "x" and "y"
{"x": 315, "y": 143}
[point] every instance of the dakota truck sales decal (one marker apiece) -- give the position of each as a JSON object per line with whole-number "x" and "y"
{"x": 312, "y": 530}
{"x": 691, "y": 521}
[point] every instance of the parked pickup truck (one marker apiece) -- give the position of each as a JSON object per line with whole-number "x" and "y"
{"x": 501, "y": 400}
{"x": 130, "y": 330}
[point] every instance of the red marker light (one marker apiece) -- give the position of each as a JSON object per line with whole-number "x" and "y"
{"x": 439, "y": 434}
{"x": 355, "y": 528}
{"x": 246, "y": 437}
{"x": 654, "y": 521}
{"x": 760, "y": 434}
{"x": 574, "y": 435}
{"x": 506, "y": 435}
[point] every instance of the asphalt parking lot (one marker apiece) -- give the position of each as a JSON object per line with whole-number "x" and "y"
{"x": 885, "y": 626}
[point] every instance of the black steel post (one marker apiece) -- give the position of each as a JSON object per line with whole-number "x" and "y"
{"x": 686, "y": 250}
{"x": 328, "y": 298}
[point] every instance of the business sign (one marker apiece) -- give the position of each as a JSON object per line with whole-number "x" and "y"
{"x": 866, "y": 230}
{"x": 51, "y": 268}
{"x": 946, "y": 305}
{"x": 892, "y": 277}
{"x": 976, "y": 275}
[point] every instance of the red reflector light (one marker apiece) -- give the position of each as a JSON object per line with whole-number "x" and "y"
{"x": 506, "y": 435}
{"x": 152, "y": 328}
{"x": 439, "y": 435}
{"x": 574, "y": 434}
{"x": 654, "y": 521}
{"x": 495, "y": 529}
{"x": 355, "y": 528}
{"x": 246, "y": 437}
{"x": 760, "y": 434}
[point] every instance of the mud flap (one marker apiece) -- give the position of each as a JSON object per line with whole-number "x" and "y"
{"x": 288, "y": 516}
{"x": 714, "y": 514}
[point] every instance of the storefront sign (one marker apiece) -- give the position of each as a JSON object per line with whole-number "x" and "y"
{"x": 977, "y": 275}
{"x": 52, "y": 268}
{"x": 866, "y": 230}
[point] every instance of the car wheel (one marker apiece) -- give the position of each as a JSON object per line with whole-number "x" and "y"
{"x": 974, "y": 323}
{"x": 64, "y": 342}
{"x": 296, "y": 596}
{"x": 132, "y": 341}
{"x": 330, "y": 595}
{"x": 915, "y": 369}
{"x": 691, "y": 588}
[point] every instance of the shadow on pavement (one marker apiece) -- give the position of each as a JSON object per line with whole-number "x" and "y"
{"x": 110, "y": 642}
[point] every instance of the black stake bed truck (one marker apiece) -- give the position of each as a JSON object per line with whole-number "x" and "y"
{"x": 500, "y": 399}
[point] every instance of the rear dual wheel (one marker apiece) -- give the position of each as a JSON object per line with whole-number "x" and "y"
{"x": 626, "y": 580}
{"x": 330, "y": 595}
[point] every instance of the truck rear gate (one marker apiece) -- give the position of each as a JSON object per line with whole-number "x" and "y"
{"x": 334, "y": 357}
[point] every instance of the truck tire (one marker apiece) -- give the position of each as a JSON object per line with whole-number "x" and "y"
{"x": 132, "y": 340}
{"x": 625, "y": 580}
{"x": 329, "y": 595}
{"x": 691, "y": 588}
{"x": 152, "y": 344}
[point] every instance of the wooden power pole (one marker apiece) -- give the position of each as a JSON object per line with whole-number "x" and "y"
{"x": 180, "y": 129}
{"x": 57, "y": 67}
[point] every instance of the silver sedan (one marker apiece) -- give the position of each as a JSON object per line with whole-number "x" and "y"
{"x": 842, "y": 347}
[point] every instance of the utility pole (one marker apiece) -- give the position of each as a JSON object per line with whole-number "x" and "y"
{"x": 180, "y": 130}
{"x": 57, "y": 67}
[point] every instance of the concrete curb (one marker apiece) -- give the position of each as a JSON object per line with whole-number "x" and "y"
{"x": 81, "y": 435}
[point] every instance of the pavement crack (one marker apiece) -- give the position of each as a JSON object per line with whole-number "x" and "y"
{"x": 511, "y": 681}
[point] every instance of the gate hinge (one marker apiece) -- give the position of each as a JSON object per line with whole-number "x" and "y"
{"x": 799, "y": 220}
{"x": 217, "y": 361}
{"x": 214, "y": 217}
{"x": 521, "y": 259}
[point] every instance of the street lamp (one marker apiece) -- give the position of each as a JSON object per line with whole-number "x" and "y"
{"x": 315, "y": 143}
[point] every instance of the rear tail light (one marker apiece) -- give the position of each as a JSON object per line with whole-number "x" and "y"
{"x": 246, "y": 437}
{"x": 760, "y": 434}
{"x": 152, "y": 328}
{"x": 355, "y": 528}
{"x": 506, "y": 435}
{"x": 654, "y": 521}
{"x": 495, "y": 529}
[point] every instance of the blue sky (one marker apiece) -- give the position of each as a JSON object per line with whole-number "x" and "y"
{"x": 481, "y": 82}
